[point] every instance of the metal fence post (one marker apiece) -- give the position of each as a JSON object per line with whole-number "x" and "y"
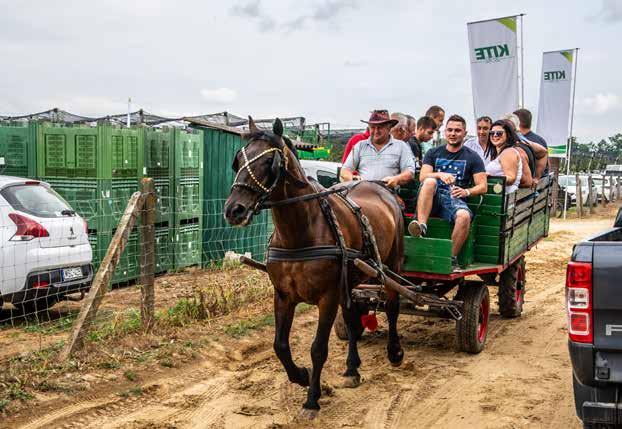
{"x": 147, "y": 254}
{"x": 579, "y": 196}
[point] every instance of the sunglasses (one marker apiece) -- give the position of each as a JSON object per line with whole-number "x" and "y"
{"x": 496, "y": 133}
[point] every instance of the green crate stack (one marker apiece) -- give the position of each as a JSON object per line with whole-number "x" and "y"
{"x": 18, "y": 149}
{"x": 128, "y": 268}
{"x": 96, "y": 169}
{"x": 188, "y": 201}
{"x": 159, "y": 165}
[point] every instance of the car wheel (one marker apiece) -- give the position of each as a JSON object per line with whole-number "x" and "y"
{"x": 36, "y": 307}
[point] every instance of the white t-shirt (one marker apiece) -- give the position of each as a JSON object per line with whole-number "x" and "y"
{"x": 473, "y": 144}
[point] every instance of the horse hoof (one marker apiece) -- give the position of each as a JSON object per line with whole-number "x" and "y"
{"x": 351, "y": 381}
{"x": 307, "y": 414}
{"x": 396, "y": 359}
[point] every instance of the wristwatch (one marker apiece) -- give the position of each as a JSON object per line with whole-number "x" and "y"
{"x": 468, "y": 193}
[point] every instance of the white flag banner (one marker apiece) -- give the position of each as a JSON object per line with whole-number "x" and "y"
{"x": 494, "y": 66}
{"x": 555, "y": 96}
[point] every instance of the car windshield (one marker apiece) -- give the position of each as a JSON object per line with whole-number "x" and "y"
{"x": 567, "y": 181}
{"x": 35, "y": 199}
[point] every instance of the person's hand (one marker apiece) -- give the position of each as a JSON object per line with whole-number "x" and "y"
{"x": 534, "y": 183}
{"x": 447, "y": 178}
{"x": 458, "y": 192}
{"x": 391, "y": 181}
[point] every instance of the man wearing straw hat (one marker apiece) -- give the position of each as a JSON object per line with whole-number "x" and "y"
{"x": 380, "y": 157}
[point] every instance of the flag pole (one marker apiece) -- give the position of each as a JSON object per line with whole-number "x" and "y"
{"x": 129, "y": 111}
{"x": 522, "y": 61}
{"x": 569, "y": 146}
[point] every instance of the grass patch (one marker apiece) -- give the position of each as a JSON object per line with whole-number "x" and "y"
{"x": 135, "y": 391}
{"x": 61, "y": 324}
{"x": 244, "y": 327}
{"x": 130, "y": 375}
{"x": 123, "y": 323}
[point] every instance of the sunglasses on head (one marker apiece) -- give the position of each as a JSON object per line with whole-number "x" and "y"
{"x": 496, "y": 133}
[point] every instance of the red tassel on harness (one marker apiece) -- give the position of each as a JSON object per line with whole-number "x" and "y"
{"x": 369, "y": 322}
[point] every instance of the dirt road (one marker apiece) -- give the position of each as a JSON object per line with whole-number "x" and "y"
{"x": 522, "y": 379}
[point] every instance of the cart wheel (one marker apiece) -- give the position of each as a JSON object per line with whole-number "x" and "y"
{"x": 472, "y": 329}
{"x": 512, "y": 289}
{"x": 340, "y": 326}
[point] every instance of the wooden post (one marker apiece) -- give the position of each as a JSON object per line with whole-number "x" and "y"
{"x": 555, "y": 170}
{"x": 590, "y": 194}
{"x": 611, "y": 189}
{"x": 579, "y": 197}
{"x": 147, "y": 253}
{"x": 102, "y": 278}
{"x": 619, "y": 182}
{"x": 603, "y": 200}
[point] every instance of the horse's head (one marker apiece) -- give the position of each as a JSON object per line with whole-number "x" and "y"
{"x": 259, "y": 167}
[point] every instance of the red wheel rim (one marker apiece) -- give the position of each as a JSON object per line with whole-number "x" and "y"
{"x": 520, "y": 284}
{"x": 482, "y": 323}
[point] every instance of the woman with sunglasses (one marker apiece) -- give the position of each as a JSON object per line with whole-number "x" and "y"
{"x": 505, "y": 157}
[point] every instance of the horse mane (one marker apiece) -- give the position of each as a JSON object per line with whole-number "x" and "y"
{"x": 271, "y": 137}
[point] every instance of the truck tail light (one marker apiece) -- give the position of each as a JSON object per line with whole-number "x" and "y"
{"x": 27, "y": 229}
{"x": 86, "y": 227}
{"x": 579, "y": 302}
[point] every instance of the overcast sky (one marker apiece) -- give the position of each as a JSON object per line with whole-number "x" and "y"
{"x": 327, "y": 60}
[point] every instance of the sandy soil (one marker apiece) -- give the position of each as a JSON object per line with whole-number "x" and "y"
{"x": 521, "y": 379}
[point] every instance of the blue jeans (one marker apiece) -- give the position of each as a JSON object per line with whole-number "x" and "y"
{"x": 445, "y": 206}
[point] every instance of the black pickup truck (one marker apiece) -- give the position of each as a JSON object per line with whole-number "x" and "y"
{"x": 594, "y": 308}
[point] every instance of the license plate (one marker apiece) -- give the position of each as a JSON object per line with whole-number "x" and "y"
{"x": 72, "y": 273}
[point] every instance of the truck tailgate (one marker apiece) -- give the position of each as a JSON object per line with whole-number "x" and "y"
{"x": 607, "y": 296}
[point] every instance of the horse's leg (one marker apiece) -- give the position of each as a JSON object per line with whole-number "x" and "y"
{"x": 319, "y": 351}
{"x": 284, "y": 316}
{"x": 394, "y": 349}
{"x": 352, "y": 318}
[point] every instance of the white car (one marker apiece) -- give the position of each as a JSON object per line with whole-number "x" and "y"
{"x": 570, "y": 183}
{"x": 44, "y": 247}
{"x": 325, "y": 172}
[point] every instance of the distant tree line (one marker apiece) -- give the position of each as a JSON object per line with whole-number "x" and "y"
{"x": 592, "y": 156}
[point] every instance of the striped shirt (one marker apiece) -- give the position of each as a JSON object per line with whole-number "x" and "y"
{"x": 393, "y": 158}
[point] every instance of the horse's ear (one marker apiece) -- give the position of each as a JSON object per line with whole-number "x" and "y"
{"x": 251, "y": 125}
{"x": 277, "y": 127}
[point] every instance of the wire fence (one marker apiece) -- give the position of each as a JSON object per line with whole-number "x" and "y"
{"x": 50, "y": 258}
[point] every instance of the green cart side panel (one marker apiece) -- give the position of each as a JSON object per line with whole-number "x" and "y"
{"x": 187, "y": 245}
{"x": 159, "y": 152}
{"x": 427, "y": 255}
{"x": 164, "y": 258}
{"x": 488, "y": 240}
{"x": 486, "y": 230}
{"x": 18, "y": 153}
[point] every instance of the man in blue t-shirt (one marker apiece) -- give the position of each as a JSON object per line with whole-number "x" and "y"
{"x": 524, "y": 128}
{"x": 447, "y": 175}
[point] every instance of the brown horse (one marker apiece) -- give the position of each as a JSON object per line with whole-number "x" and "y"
{"x": 268, "y": 170}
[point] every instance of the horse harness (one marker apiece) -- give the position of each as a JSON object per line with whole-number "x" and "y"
{"x": 340, "y": 250}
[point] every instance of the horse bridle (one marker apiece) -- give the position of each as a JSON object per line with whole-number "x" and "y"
{"x": 265, "y": 192}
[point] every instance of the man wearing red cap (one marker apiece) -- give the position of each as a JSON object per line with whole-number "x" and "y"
{"x": 380, "y": 157}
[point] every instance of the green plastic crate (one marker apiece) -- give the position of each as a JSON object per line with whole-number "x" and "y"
{"x": 187, "y": 244}
{"x": 18, "y": 152}
{"x": 164, "y": 258}
{"x": 159, "y": 154}
{"x": 188, "y": 153}
{"x": 86, "y": 197}
{"x": 188, "y": 201}
{"x": 81, "y": 151}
